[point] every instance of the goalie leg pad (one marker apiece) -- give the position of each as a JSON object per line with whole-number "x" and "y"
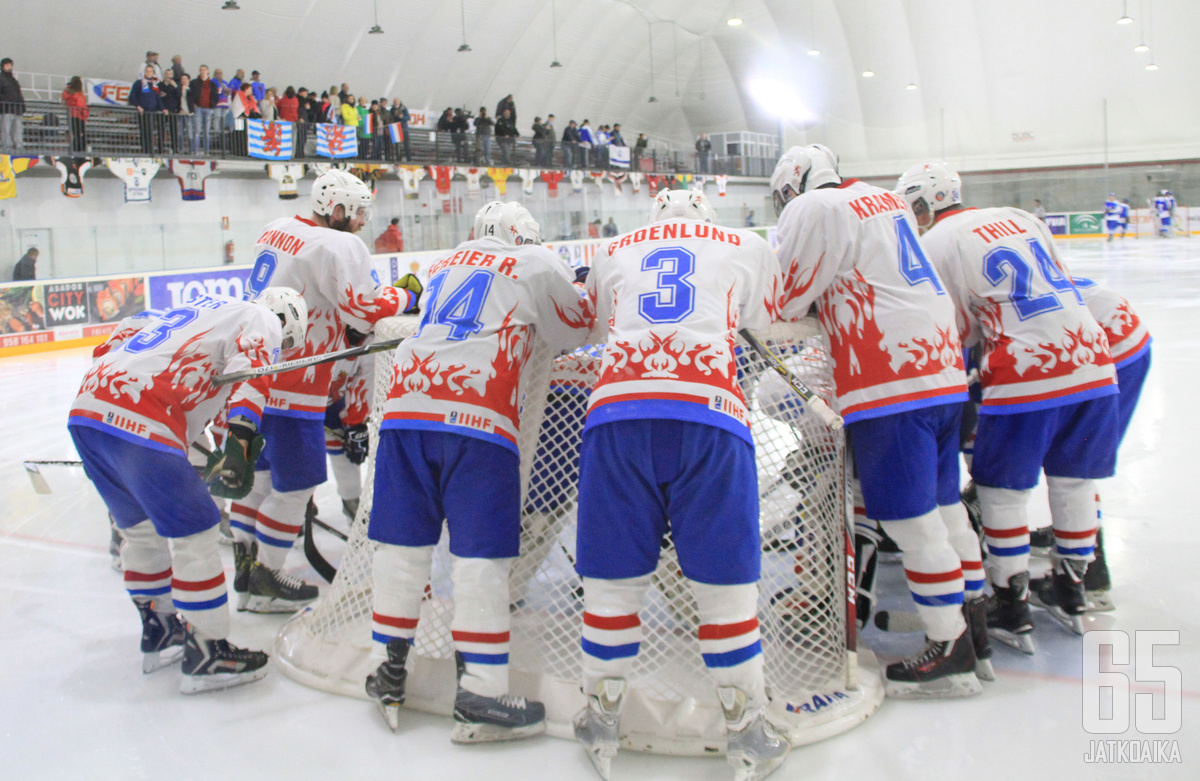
{"x": 730, "y": 643}
{"x": 612, "y": 630}
{"x": 198, "y": 586}
{"x": 480, "y": 627}
{"x": 401, "y": 574}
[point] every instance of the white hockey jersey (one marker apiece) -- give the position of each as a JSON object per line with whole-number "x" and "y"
{"x": 485, "y": 303}
{"x": 1128, "y": 339}
{"x": 1041, "y": 346}
{"x": 670, "y": 299}
{"x": 353, "y": 385}
{"x": 332, "y": 270}
{"x": 151, "y": 382}
{"x": 853, "y": 251}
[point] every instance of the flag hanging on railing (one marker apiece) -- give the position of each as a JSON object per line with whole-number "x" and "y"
{"x": 396, "y": 133}
{"x": 368, "y": 123}
{"x": 336, "y": 141}
{"x": 269, "y": 140}
{"x": 618, "y": 156}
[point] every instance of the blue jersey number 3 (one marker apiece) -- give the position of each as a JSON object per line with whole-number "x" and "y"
{"x": 149, "y": 338}
{"x": 674, "y": 297}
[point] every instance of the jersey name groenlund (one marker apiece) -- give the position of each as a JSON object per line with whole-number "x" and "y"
{"x": 1041, "y": 347}
{"x": 853, "y": 251}
{"x": 332, "y": 270}
{"x": 1128, "y": 338}
{"x": 151, "y": 380}
{"x": 673, "y": 296}
{"x": 484, "y": 306}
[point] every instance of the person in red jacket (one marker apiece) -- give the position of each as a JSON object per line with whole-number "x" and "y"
{"x": 392, "y": 239}
{"x": 77, "y": 108}
{"x": 288, "y": 106}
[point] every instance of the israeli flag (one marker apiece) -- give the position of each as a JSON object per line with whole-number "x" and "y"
{"x": 618, "y": 156}
{"x": 336, "y": 141}
{"x": 269, "y": 140}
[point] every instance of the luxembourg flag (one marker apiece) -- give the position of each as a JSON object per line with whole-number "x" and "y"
{"x": 396, "y": 133}
{"x": 269, "y": 140}
{"x": 618, "y": 156}
{"x": 336, "y": 141}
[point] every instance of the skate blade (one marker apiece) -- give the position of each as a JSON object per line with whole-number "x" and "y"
{"x": 1100, "y": 602}
{"x": 984, "y": 670}
{"x": 947, "y": 687}
{"x": 269, "y": 605}
{"x": 243, "y": 597}
{"x": 601, "y": 759}
{"x": 1070, "y": 622}
{"x": 1022, "y": 642}
{"x": 198, "y": 684}
{"x": 469, "y": 732}
{"x": 157, "y": 660}
{"x": 744, "y": 769}
{"x": 390, "y": 713}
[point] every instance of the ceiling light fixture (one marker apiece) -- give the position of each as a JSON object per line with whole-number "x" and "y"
{"x": 554, "y": 26}
{"x": 1151, "y": 66}
{"x": 812, "y": 29}
{"x": 911, "y": 85}
{"x": 1125, "y": 17}
{"x": 462, "y": 5}
{"x": 376, "y": 29}
{"x": 868, "y": 74}
{"x": 231, "y": 5}
{"x": 650, "y": 37}
{"x": 1141, "y": 47}
{"x": 734, "y": 21}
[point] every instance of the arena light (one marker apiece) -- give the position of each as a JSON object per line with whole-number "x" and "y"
{"x": 1141, "y": 47}
{"x": 779, "y": 100}
{"x": 734, "y": 21}
{"x": 868, "y": 74}
{"x": 912, "y": 85}
{"x": 1152, "y": 66}
{"x": 814, "y": 52}
{"x": 231, "y": 5}
{"x": 375, "y": 29}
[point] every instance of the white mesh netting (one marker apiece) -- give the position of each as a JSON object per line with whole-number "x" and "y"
{"x": 815, "y": 683}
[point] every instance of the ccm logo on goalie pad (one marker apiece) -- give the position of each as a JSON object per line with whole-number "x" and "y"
{"x": 470, "y": 421}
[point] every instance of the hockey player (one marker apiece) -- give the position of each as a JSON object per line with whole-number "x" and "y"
{"x": 346, "y": 427}
{"x": 322, "y": 258}
{"x": 1124, "y": 213}
{"x": 1049, "y": 389}
{"x": 1163, "y": 207}
{"x": 667, "y": 438}
{"x": 852, "y": 249}
{"x": 148, "y": 395}
{"x": 448, "y": 450}
{"x": 1112, "y": 216}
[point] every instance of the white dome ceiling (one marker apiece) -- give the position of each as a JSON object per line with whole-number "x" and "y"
{"x": 1013, "y": 83}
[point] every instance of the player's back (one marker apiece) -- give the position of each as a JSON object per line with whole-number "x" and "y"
{"x": 157, "y": 385}
{"x": 674, "y": 295}
{"x": 484, "y": 306}
{"x": 1041, "y": 345}
{"x": 1128, "y": 337}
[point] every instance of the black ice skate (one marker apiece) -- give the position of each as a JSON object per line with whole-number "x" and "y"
{"x": 273, "y": 591}
{"x": 597, "y": 726}
{"x": 162, "y": 637}
{"x": 1041, "y": 541}
{"x": 1009, "y": 619}
{"x": 243, "y": 558}
{"x": 976, "y": 612}
{"x": 480, "y": 719}
{"x": 945, "y": 669}
{"x": 386, "y": 685}
{"x": 209, "y": 665}
{"x": 1061, "y": 594}
{"x": 1096, "y": 581}
{"x": 756, "y": 748}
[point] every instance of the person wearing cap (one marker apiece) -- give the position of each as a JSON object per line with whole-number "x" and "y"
{"x": 151, "y": 62}
{"x": 257, "y": 87}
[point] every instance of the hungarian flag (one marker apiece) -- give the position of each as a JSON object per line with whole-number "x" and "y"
{"x": 269, "y": 140}
{"x": 336, "y": 141}
{"x": 396, "y": 133}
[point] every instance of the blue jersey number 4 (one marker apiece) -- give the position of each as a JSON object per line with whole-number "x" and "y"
{"x": 462, "y": 306}
{"x": 674, "y": 297}
{"x": 914, "y": 266}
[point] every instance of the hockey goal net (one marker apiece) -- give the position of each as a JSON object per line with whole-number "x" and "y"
{"x": 814, "y": 680}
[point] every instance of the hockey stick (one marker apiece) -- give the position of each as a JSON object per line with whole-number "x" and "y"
{"x": 35, "y": 475}
{"x": 300, "y": 363}
{"x": 318, "y": 562}
{"x": 812, "y": 400}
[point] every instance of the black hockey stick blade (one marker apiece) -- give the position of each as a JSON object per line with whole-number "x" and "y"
{"x": 318, "y": 562}
{"x": 301, "y": 363}
{"x": 332, "y": 530}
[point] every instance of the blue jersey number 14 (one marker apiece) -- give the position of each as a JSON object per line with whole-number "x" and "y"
{"x": 461, "y": 308}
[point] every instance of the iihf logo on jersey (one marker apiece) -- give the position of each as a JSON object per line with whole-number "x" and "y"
{"x": 453, "y": 418}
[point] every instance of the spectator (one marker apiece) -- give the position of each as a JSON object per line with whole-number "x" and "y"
{"x": 587, "y": 140}
{"x": 26, "y": 267}
{"x": 594, "y": 229}
{"x": 77, "y": 111}
{"x": 288, "y": 107}
{"x": 384, "y": 139}
{"x": 551, "y": 137}
{"x": 392, "y": 239}
{"x": 204, "y": 94}
{"x": 364, "y": 137}
{"x": 1039, "y": 211}
{"x": 400, "y": 114}
{"x": 186, "y": 119}
{"x": 268, "y": 106}
{"x": 570, "y": 146}
{"x": 349, "y": 112}
{"x": 12, "y": 108}
{"x": 239, "y": 78}
{"x": 177, "y": 71}
{"x": 260, "y": 89}
{"x": 703, "y": 148}
{"x": 506, "y": 133}
{"x": 617, "y": 138}
{"x": 326, "y": 112}
{"x": 378, "y": 133}
{"x": 507, "y": 103}
{"x": 334, "y": 112}
{"x": 483, "y": 136}
{"x": 610, "y": 228}
{"x": 344, "y": 93}
{"x": 144, "y": 96}
{"x": 602, "y": 139}
{"x": 222, "y": 119}
{"x": 245, "y": 104}
{"x": 750, "y": 219}
{"x": 458, "y": 131}
{"x": 539, "y": 141}
{"x": 172, "y": 99}
{"x": 306, "y": 111}
{"x": 639, "y": 149}
{"x": 151, "y": 62}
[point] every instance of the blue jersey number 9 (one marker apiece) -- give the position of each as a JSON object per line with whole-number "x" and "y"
{"x": 260, "y": 275}
{"x": 674, "y": 297}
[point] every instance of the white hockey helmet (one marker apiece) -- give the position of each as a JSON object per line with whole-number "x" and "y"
{"x": 292, "y": 311}
{"x": 689, "y": 204}
{"x": 509, "y": 222}
{"x": 930, "y": 187}
{"x": 802, "y": 168}
{"x": 341, "y": 187}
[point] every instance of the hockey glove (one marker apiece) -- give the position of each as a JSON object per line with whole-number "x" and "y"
{"x": 581, "y": 274}
{"x": 410, "y": 283}
{"x": 236, "y": 467}
{"x": 357, "y": 444}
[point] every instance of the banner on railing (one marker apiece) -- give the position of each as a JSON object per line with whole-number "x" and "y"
{"x": 269, "y": 140}
{"x": 168, "y": 291}
{"x": 106, "y": 92}
{"x": 422, "y": 118}
{"x": 618, "y": 156}
{"x": 336, "y": 141}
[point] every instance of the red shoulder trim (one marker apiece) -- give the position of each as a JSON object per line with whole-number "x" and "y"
{"x": 846, "y": 183}
{"x": 938, "y": 218}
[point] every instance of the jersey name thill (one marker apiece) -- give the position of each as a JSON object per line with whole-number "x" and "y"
{"x": 285, "y": 242}
{"x": 476, "y": 258}
{"x": 997, "y": 230}
{"x": 675, "y": 230}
